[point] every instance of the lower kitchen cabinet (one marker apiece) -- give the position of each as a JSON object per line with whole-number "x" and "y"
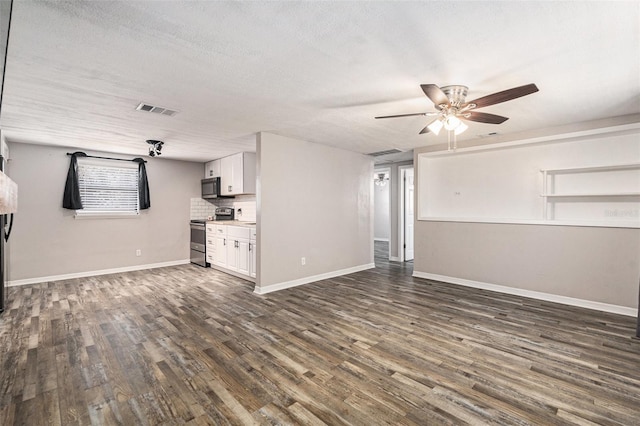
{"x": 238, "y": 249}
{"x": 220, "y": 244}
{"x": 234, "y": 249}
{"x": 211, "y": 243}
{"x": 252, "y": 254}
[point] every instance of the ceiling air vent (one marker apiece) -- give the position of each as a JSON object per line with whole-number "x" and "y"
{"x": 156, "y": 109}
{"x": 388, "y": 151}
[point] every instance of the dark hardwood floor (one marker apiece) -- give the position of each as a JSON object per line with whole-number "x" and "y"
{"x": 187, "y": 345}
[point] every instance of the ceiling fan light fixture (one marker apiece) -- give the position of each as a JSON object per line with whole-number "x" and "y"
{"x": 435, "y": 127}
{"x": 380, "y": 179}
{"x": 461, "y": 128}
{"x": 451, "y": 122}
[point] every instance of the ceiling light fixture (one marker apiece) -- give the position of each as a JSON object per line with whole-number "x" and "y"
{"x": 155, "y": 148}
{"x": 380, "y": 179}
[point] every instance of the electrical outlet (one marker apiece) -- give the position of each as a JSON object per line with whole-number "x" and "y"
{"x": 138, "y": 252}
{"x": 303, "y": 261}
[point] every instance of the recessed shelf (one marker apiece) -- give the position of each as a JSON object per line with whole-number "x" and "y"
{"x": 629, "y": 166}
{"x": 603, "y": 195}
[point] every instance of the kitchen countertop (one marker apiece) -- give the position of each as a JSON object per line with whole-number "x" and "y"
{"x": 232, "y": 222}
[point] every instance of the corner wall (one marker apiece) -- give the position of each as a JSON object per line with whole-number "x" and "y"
{"x": 591, "y": 266}
{"x": 315, "y": 202}
{"x": 47, "y": 241}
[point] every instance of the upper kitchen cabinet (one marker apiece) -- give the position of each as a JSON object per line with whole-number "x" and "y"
{"x": 238, "y": 174}
{"x": 212, "y": 169}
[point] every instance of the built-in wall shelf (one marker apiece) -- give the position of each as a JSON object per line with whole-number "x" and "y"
{"x": 570, "y": 191}
{"x": 603, "y": 194}
{"x": 630, "y": 166}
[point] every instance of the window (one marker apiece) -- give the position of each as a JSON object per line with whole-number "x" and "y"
{"x": 107, "y": 187}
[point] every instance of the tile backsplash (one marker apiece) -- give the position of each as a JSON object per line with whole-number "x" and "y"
{"x": 244, "y": 206}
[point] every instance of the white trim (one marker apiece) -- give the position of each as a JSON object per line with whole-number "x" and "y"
{"x": 589, "y": 304}
{"x": 311, "y": 279}
{"x": 95, "y": 273}
{"x": 394, "y": 258}
{"x": 384, "y": 240}
{"x": 102, "y": 215}
{"x": 401, "y": 171}
{"x": 589, "y": 223}
{"x": 563, "y": 135}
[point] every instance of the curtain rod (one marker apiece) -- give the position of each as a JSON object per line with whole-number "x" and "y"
{"x": 108, "y": 158}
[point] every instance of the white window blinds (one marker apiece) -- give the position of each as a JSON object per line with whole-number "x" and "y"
{"x": 108, "y": 188}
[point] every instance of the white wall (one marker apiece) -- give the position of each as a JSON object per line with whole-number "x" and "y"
{"x": 48, "y": 241}
{"x": 314, "y": 201}
{"x": 585, "y": 263}
{"x": 507, "y": 183}
{"x": 381, "y": 204}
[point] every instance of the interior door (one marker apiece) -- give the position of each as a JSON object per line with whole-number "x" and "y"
{"x": 408, "y": 214}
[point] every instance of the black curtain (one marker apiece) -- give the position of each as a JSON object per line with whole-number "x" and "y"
{"x": 71, "y": 199}
{"x": 143, "y": 185}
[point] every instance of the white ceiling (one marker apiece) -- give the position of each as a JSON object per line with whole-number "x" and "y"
{"x": 318, "y": 71}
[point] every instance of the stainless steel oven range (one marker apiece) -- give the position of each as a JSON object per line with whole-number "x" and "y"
{"x": 198, "y": 242}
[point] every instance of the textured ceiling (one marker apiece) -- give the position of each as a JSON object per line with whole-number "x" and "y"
{"x": 318, "y": 71}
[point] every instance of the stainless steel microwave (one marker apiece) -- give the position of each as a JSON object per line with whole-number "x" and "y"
{"x": 211, "y": 187}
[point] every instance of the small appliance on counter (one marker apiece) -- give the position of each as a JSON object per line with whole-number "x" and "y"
{"x": 225, "y": 213}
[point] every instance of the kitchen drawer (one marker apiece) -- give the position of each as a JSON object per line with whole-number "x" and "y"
{"x": 211, "y": 228}
{"x": 209, "y": 257}
{"x": 238, "y": 232}
{"x": 253, "y": 234}
{"x": 221, "y": 229}
{"x": 211, "y": 239}
{"x": 211, "y": 248}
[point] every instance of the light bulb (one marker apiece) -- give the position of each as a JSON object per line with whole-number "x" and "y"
{"x": 451, "y": 122}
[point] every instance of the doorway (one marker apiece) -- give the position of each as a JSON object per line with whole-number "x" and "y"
{"x": 406, "y": 213}
{"x": 382, "y": 212}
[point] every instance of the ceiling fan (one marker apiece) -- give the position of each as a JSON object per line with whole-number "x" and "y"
{"x": 452, "y": 107}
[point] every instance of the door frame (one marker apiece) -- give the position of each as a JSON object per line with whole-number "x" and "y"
{"x": 387, "y": 170}
{"x": 401, "y": 203}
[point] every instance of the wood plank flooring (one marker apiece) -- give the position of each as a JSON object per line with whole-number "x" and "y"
{"x": 188, "y": 345}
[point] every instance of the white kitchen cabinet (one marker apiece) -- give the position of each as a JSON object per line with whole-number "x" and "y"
{"x": 238, "y": 249}
{"x": 210, "y": 242}
{"x": 220, "y": 243}
{"x": 212, "y": 169}
{"x": 238, "y": 174}
{"x": 252, "y": 253}
{"x": 233, "y": 248}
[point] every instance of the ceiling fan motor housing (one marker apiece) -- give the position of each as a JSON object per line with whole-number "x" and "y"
{"x": 456, "y": 94}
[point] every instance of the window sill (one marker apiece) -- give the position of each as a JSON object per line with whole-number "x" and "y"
{"x": 97, "y": 215}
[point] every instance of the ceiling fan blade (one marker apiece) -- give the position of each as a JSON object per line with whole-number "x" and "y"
{"x": 404, "y": 115}
{"x": 483, "y": 117}
{"x": 434, "y": 93}
{"x": 504, "y": 96}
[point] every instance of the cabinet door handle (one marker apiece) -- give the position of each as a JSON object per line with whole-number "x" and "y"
{"x": 230, "y": 188}
{"x": 250, "y": 246}
{"x": 224, "y": 241}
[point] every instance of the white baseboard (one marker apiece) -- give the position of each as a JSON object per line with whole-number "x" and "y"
{"x": 598, "y": 306}
{"x": 384, "y": 240}
{"x": 306, "y": 280}
{"x": 95, "y": 273}
{"x": 394, "y": 258}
